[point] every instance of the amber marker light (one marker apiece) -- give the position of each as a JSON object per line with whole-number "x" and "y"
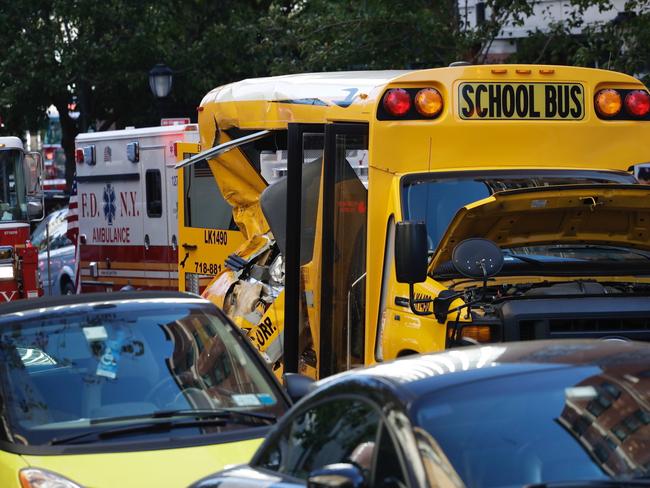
{"x": 638, "y": 103}
{"x": 397, "y": 102}
{"x": 428, "y": 102}
{"x": 608, "y": 102}
{"x": 480, "y": 333}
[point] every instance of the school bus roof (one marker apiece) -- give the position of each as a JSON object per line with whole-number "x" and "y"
{"x": 272, "y": 102}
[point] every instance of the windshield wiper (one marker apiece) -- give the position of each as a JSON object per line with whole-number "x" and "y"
{"x": 198, "y": 418}
{"x": 589, "y": 247}
{"x": 523, "y": 258}
{"x": 221, "y": 413}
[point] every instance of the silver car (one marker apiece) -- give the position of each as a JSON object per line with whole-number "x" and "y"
{"x": 57, "y": 274}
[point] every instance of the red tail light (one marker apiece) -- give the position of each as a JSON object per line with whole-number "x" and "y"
{"x": 79, "y": 155}
{"x": 397, "y": 102}
{"x": 638, "y": 103}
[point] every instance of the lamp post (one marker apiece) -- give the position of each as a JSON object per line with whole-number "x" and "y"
{"x": 160, "y": 82}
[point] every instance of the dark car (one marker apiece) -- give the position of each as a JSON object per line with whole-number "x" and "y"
{"x": 529, "y": 413}
{"x": 127, "y": 389}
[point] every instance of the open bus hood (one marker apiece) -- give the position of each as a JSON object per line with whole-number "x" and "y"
{"x": 588, "y": 214}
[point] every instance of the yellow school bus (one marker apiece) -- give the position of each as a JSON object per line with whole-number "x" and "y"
{"x": 387, "y": 213}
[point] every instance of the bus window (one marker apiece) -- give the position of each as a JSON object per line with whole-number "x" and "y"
{"x": 205, "y": 207}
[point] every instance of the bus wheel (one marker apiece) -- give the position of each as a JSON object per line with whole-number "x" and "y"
{"x": 406, "y": 352}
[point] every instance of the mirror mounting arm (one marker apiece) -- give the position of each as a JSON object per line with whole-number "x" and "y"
{"x": 419, "y": 301}
{"x": 441, "y": 303}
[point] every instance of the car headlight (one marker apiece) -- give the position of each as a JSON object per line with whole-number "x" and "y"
{"x": 41, "y": 478}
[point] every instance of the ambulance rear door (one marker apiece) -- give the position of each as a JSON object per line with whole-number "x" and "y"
{"x": 159, "y": 259}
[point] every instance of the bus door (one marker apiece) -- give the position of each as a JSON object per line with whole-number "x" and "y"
{"x": 207, "y": 233}
{"x": 305, "y": 146}
{"x": 344, "y": 230}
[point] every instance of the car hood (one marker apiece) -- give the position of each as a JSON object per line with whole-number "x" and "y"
{"x": 587, "y": 214}
{"x": 135, "y": 469}
{"x": 245, "y": 476}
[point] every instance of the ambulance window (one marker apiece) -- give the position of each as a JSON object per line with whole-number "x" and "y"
{"x": 154, "y": 193}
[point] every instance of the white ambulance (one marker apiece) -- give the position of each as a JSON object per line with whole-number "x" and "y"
{"x": 128, "y": 207}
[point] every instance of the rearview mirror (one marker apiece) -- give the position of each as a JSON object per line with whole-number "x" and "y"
{"x": 340, "y": 475}
{"x": 411, "y": 252}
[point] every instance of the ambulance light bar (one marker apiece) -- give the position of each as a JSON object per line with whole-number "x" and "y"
{"x": 133, "y": 152}
{"x": 222, "y": 148}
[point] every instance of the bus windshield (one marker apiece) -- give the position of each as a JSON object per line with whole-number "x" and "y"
{"x": 435, "y": 199}
{"x": 13, "y": 204}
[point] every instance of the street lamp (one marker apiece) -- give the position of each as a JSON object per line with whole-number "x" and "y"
{"x": 160, "y": 80}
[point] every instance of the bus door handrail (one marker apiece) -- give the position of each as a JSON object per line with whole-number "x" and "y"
{"x": 348, "y": 359}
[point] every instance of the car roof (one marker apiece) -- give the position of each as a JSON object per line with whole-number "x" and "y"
{"x": 89, "y": 300}
{"x": 429, "y": 372}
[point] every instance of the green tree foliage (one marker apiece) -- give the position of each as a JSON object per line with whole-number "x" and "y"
{"x": 100, "y": 52}
{"x": 324, "y": 35}
{"x": 620, "y": 44}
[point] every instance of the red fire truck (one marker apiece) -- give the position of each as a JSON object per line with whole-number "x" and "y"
{"x": 21, "y": 200}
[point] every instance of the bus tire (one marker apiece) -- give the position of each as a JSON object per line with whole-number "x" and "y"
{"x": 406, "y": 352}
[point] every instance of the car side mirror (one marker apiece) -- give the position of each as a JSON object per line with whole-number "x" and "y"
{"x": 297, "y": 385}
{"x": 411, "y": 252}
{"x": 35, "y": 208}
{"x": 340, "y": 475}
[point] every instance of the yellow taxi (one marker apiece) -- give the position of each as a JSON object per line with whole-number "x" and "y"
{"x": 127, "y": 389}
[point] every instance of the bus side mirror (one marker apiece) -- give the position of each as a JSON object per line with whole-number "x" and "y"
{"x": 411, "y": 252}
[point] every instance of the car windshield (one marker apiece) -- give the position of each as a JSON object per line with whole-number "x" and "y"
{"x": 13, "y": 204}
{"x": 556, "y": 425}
{"x": 74, "y": 370}
{"x": 435, "y": 200}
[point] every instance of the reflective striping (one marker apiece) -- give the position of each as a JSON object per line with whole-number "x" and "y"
{"x": 129, "y": 265}
{"x": 12, "y": 225}
{"x": 110, "y": 273}
{"x": 158, "y": 283}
